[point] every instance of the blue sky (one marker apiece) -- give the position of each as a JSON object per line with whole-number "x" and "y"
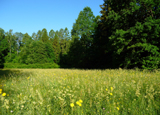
{"x": 33, "y": 15}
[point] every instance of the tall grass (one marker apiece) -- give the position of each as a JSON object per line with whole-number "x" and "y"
{"x": 79, "y": 92}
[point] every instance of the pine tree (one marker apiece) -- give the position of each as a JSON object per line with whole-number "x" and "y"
{"x": 56, "y": 48}
{"x": 82, "y": 38}
{"x": 51, "y": 35}
{"x": 132, "y": 30}
{"x": 45, "y": 37}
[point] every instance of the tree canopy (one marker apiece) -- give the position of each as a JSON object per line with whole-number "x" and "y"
{"x": 126, "y": 35}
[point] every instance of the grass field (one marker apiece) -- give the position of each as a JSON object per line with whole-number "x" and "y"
{"x": 79, "y": 92}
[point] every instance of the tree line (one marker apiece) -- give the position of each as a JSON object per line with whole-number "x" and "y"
{"x": 126, "y": 35}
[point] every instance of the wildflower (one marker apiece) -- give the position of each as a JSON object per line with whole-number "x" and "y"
{"x": 80, "y": 104}
{"x": 111, "y": 94}
{"x": 4, "y": 94}
{"x": 80, "y": 101}
{"x": 72, "y": 104}
{"x": 28, "y": 77}
{"x": 111, "y": 88}
{"x": 77, "y": 102}
{"x": 7, "y": 107}
{"x": 0, "y": 91}
{"x": 106, "y": 89}
{"x": 117, "y": 108}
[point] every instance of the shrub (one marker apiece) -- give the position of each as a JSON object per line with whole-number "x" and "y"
{"x": 18, "y": 65}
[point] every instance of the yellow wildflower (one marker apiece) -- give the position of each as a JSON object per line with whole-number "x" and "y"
{"x": 80, "y": 101}
{"x": 80, "y": 104}
{"x": 111, "y": 88}
{"x": 4, "y": 94}
{"x": 72, "y": 104}
{"x": 106, "y": 89}
{"x": 0, "y": 91}
{"x": 111, "y": 94}
{"x": 117, "y": 108}
{"x": 77, "y": 103}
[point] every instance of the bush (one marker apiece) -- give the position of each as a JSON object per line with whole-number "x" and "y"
{"x": 18, "y": 65}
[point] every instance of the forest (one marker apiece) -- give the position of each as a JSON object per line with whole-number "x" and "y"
{"x": 126, "y": 35}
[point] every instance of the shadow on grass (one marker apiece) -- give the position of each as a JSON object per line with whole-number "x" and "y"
{"x": 6, "y": 77}
{"x": 8, "y": 73}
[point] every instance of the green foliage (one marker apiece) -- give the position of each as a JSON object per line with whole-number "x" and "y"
{"x": 132, "y": 34}
{"x": 126, "y": 35}
{"x": 18, "y": 39}
{"x": 25, "y": 39}
{"x": 45, "y": 37}
{"x": 18, "y": 65}
{"x": 36, "y": 52}
{"x": 39, "y": 35}
{"x": 12, "y": 45}
{"x": 64, "y": 40}
{"x": 84, "y": 24}
{"x": 51, "y": 34}
{"x": 56, "y": 48}
{"x": 3, "y": 47}
{"x": 50, "y": 52}
{"x": 82, "y": 38}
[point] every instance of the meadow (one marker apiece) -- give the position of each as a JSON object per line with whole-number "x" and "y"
{"x": 79, "y": 92}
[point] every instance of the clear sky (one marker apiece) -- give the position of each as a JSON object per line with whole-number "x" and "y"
{"x": 33, "y": 15}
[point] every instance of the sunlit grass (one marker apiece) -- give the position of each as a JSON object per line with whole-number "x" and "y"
{"x": 79, "y": 92}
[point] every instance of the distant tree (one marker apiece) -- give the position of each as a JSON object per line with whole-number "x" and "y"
{"x": 84, "y": 24}
{"x": 82, "y": 38}
{"x": 37, "y": 52}
{"x": 4, "y": 47}
{"x": 34, "y": 36}
{"x": 60, "y": 34}
{"x": 11, "y": 38}
{"x": 25, "y": 51}
{"x": 45, "y": 37}
{"x": 50, "y": 52}
{"x": 19, "y": 37}
{"x": 64, "y": 40}
{"x": 25, "y": 38}
{"x": 100, "y": 55}
{"x": 56, "y": 47}
{"x": 67, "y": 39}
{"x": 39, "y": 35}
{"x": 51, "y": 34}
